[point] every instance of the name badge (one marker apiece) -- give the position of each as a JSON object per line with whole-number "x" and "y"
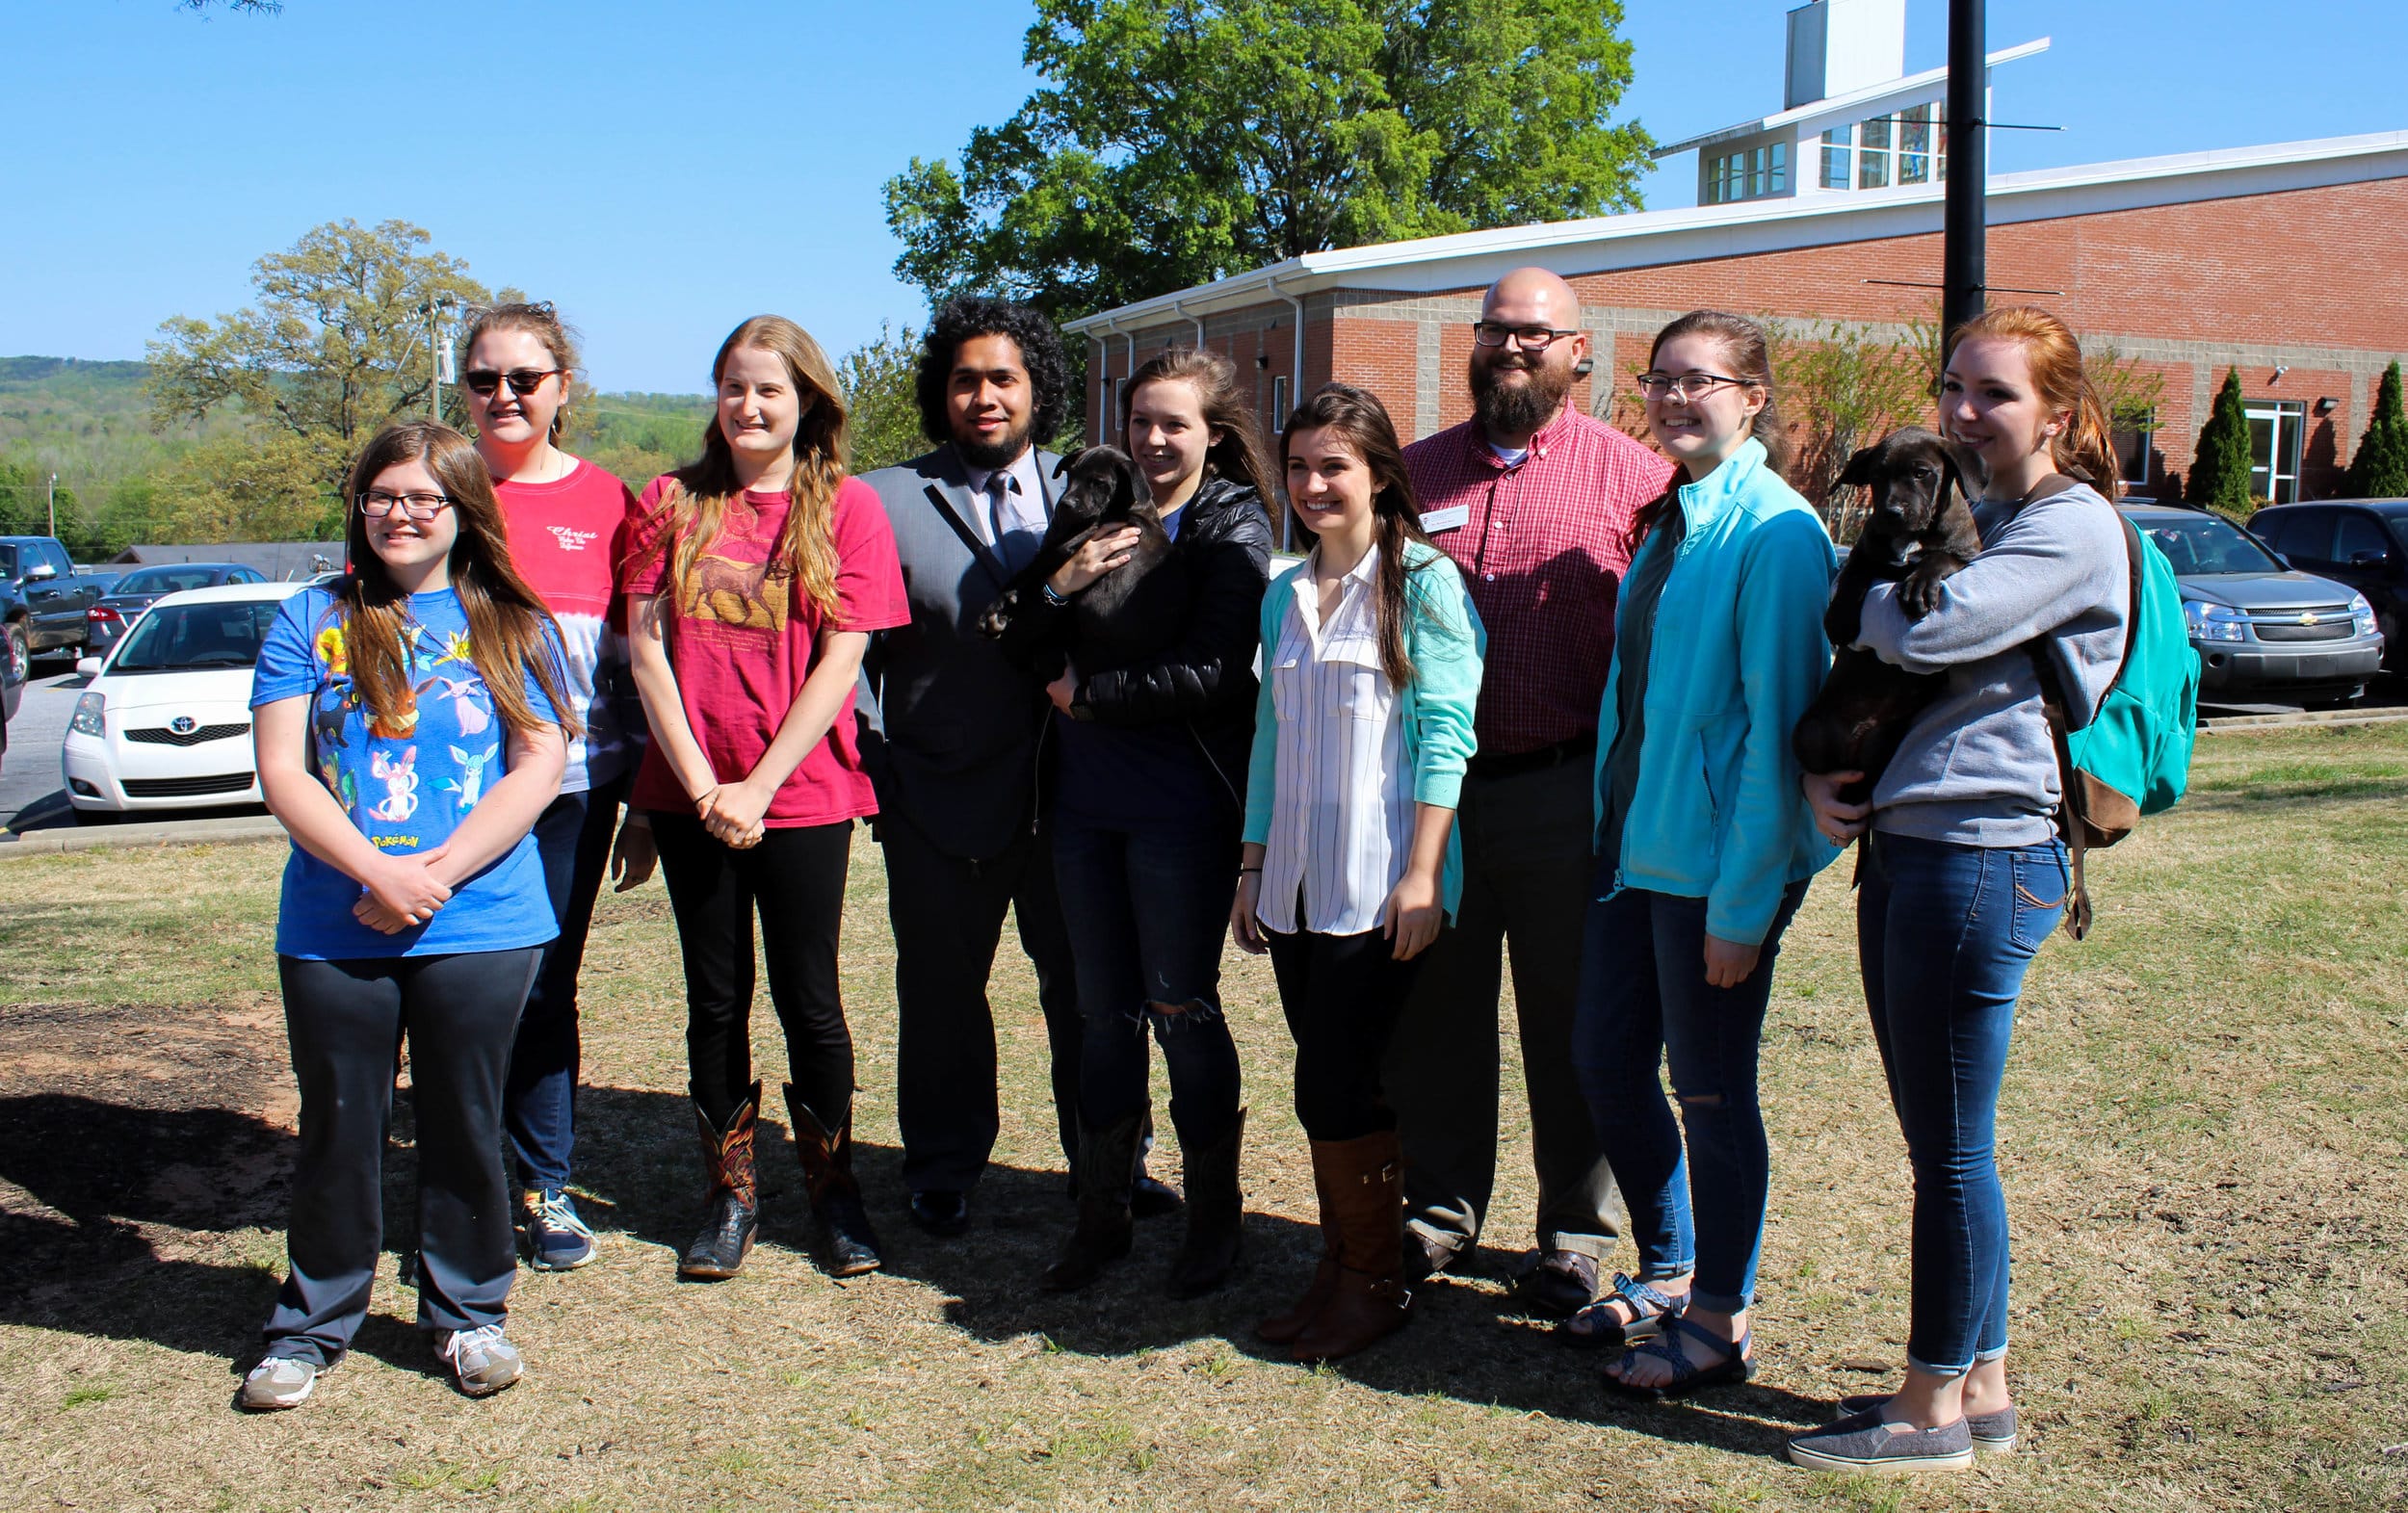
{"x": 1447, "y": 519}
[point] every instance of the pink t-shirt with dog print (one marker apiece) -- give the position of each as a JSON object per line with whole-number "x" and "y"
{"x": 743, "y": 641}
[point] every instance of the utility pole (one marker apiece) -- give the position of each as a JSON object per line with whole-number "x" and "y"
{"x": 432, "y": 310}
{"x": 1964, "y": 277}
{"x": 54, "y": 504}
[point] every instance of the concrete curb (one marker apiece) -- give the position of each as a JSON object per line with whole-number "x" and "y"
{"x": 2303, "y": 720}
{"x": 65, "y": 838}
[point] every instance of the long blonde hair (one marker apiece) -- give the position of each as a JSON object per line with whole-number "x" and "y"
{"x": 693, "y": 508}
{"x": 509, "y": 630}
{"x": 2086, "y": 448}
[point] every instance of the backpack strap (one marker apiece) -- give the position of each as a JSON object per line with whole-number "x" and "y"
{"x": 2072, "y": 811}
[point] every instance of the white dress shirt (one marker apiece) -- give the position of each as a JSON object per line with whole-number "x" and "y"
{"x": 1025, "y": 506}
{"x": 1342, "y": 805}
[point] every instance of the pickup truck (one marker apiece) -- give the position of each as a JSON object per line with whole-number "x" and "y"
{"x": 42, "y": 600}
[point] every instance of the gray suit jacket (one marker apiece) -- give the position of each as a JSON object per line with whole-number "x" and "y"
{"x": 951, "y": 728}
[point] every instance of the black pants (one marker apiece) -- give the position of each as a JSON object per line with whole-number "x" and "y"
{"x": 796, "y": 879}
{"x": 343, "y": 1019}
{"x": 948, "y": 917}
{"x": 539, "y": 1101}
{"x": 1343, "y": 996}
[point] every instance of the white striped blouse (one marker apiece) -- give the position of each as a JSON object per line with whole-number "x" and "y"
{"x": 1342, "y": 811}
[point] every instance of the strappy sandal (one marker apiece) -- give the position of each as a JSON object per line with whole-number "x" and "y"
{"x": 1595, "y": 1327}
{"x": 1688, "y": 1377}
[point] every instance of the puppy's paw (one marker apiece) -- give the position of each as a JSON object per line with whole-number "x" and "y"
{"x": 1919, "y": 593}
{"x": 998, "y": 615}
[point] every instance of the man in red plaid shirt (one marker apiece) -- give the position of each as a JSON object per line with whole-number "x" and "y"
{"x": 1534, "y": 501}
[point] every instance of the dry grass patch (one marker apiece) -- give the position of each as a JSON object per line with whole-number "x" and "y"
{"x": 2203, "y": 1139}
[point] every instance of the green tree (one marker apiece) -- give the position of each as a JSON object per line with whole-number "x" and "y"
{"x": 337, "y": 347}
{"x": 1179, "y": 141}
{"x": 878, "y": 377}
{"x": 25, "y": 501}
{"x": 1843, "y": 387}
{"x": 2219, "y": 473}
{"x": 265, "y": 487}
{"x": 2380, "y": 468}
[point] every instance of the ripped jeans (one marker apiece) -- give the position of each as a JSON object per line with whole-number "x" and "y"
{"x": 1146, "y": 909}
{"x": 1644, "y": 1001}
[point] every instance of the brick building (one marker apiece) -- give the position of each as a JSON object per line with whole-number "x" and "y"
{"x": 2284, "y": 261}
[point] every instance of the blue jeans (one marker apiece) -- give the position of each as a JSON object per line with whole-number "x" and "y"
{"x": 1944, "y": 932}
{"x": 539, "y": 1100}
{"x": 1146, "y": 909}
{"x": 1644, "y": 999}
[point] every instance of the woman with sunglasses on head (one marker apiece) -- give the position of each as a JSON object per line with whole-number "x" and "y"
{"x": 1703, "y": 850}
{"x": 758, "y": 574}
{"x": 1147, "y": 792}
{"x": 1963, "y": 872}
{"x": 411, "y": 724}
{"x": 567, "y": 522}
{"x": 1350, "y": 868}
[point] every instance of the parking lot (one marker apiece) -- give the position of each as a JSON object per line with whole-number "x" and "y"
{"x": 33, "y": 797}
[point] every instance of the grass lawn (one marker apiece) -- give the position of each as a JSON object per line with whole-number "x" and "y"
{"x": 2202, "y": 1137}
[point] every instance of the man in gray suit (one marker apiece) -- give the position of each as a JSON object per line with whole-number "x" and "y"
{"x": 954, "y": 744}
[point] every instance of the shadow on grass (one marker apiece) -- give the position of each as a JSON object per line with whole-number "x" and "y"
{"x": 108, "y": 1171}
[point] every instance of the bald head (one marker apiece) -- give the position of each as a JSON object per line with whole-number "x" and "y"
{"x": 1533, "y": 297}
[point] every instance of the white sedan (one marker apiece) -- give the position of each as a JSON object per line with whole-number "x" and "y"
{"x": 166, "y": 721}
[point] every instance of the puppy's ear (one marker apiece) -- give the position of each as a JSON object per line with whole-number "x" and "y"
{"x": 1062, "y": 464}
{"x": 1966, "y": 467}
{"x": 1865, "y": 467}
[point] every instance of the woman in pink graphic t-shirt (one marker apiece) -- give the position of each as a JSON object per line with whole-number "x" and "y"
{"x": 756, "y": 576}
{"x": 567, "y": 522}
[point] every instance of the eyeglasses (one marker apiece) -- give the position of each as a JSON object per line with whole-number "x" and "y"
{"x": 376, "y": 504}
{"x": 1529, "y": 338}
{"x": 1687, "y": 386}
{"x": 483, "y": 382}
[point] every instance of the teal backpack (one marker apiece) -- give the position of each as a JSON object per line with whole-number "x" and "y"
{"x": 2134, "y": 758}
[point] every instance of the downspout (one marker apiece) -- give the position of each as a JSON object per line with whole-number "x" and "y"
{"x": 1296, "y": 370}
{"x": 1104, "y": 392}
{"x": 1197, "y": 321}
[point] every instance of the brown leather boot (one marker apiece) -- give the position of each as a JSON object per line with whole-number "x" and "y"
{"x": 734, "y": 1211}
{"x": 1215, "y": 1215}
{"x": 1107, "y": 1169}
{"x": 1369, "y": 1300}
{"x": 840, "y": 1236}
{"x": 1283, "y": 1328}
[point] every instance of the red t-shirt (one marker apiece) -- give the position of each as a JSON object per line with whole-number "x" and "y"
{"x": 568, "y": 539}
{"x": 742, "y": 645}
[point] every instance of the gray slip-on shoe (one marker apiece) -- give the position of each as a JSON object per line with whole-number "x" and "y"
{"x": 1994, "y": 1433}
{"x": 1863, "y": 1443}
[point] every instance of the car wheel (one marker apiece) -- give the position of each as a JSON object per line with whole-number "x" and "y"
{"x": 20, "y": 651}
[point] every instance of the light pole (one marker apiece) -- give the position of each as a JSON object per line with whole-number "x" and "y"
{"x": 54, "y": 504}
{"x": 432, "y": 310}
{"x": 1964, "y": 279}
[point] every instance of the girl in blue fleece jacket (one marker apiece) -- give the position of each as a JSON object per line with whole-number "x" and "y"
{"x": 1705, "y": 846}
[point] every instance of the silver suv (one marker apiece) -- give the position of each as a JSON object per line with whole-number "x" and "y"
{"x": 2264, "y": 633}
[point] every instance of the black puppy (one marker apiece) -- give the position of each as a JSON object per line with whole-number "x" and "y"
{"x": 1132, "y": 610}
{"x": 1921, "y": 531}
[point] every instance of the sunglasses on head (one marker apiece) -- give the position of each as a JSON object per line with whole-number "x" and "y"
{"x": 484, "y": 381}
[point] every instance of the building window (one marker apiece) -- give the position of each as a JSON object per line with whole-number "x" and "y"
{"x": 2134, "y": 438}
{"x": 1279, "y": 407}
{"x": 1758, "y": 172}
{"x": 2276, "y": 427}
{"x": 1909, "y": 147}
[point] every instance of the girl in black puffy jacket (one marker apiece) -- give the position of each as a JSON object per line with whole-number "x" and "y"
{"x": 1147, "y": 796}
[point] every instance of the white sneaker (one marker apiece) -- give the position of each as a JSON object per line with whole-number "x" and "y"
{"x": 280, "y": 1381}
{"x": 482, "y": 1362}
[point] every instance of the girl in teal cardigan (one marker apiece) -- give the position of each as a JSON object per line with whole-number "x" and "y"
{"x": 1371, "y": 669}
{"x": 1705, "y": 846}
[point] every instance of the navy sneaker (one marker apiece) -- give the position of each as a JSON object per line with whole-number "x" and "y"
{"x": 553, "y": 1236}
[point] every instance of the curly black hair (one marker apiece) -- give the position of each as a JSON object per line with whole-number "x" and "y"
{"x": 965, "y": 316}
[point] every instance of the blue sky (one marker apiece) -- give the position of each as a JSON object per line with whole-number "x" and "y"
{"x": 662, "y": 170}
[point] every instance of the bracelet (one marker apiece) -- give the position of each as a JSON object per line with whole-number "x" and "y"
{"x": 1243, "y": 871}
{"x": 1051, "y": 598}
{"x": 703, "y": 797}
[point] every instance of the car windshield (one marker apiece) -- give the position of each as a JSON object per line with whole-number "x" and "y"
{"x": 184, "y": 637}
{"x": 2207, "y": 547}
{"x": 167, "y": 580}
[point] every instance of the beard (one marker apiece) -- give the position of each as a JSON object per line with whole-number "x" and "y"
{"x": 1516, "y": 410}
{"x": 993, "y": 454}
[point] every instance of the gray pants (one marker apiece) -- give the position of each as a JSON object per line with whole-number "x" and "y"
{"x": 1527, "y": 872}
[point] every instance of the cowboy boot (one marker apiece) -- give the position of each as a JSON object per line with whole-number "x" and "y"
{"x": 840, "y": 1236}
{"x": 1283, "y": 1328}
{"x": 734, "y": 1205}
{"x": 1215, "y": 1214}
{"x": 1106, "y": 1170}
{"x": 1370, "y": 1301}
{"x": 1149, "y": 1197}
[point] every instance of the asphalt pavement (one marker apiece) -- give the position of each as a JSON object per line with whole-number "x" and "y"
{"x": 32, "y": 794}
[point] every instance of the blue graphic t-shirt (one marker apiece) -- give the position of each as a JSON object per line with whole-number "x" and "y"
{"x": 407, "y": 781}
